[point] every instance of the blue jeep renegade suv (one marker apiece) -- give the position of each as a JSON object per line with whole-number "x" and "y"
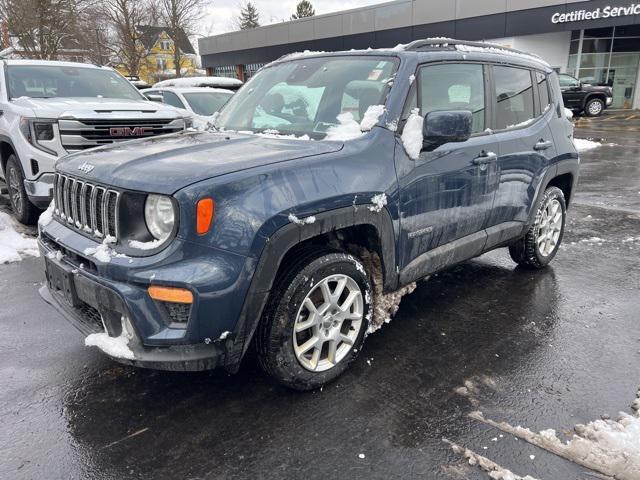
{"x": 325, "y": 187}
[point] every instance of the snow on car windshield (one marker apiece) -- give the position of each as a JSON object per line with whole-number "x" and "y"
{"x": 49, "y": 81}
{"x": 308, "y": 96}
{"x": 207, "y": 103}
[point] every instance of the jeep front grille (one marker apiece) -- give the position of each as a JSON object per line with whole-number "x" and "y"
{"x": 86, "y": 206}
{"x": 77, "y": 135}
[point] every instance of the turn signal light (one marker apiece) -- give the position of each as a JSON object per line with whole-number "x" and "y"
{"x": 170, "y": 294}
{"x": 205, "y": 211}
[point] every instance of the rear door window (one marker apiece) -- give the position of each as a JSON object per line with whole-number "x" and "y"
{"x": 453, "y": 87}
{"x": 543, "y": 91}
{"x": 514, "y": 97}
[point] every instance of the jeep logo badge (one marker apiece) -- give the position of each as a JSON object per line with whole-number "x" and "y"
{"x": 130, "y": 131}
{"x": 86, "y": 167}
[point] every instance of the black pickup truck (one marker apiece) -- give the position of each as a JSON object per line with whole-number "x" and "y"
{"x": 583, "y": 97}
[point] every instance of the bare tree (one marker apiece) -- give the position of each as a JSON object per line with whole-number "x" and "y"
{"x": 42, "y": 26}
{"x": 181, "y": 18}
{"x": 123, "y": 17}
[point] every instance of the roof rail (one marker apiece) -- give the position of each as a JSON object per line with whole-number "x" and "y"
{"x": 450, "y": 42}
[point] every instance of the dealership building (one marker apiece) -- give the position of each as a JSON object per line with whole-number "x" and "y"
{"x": 596, "y": 41}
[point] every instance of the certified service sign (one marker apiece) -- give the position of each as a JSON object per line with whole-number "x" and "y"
{"x": 605, "y": 12}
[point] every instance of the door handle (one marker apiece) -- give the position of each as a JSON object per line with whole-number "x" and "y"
{"x": 484, "y": 158}
{"x": 542, "y": 145}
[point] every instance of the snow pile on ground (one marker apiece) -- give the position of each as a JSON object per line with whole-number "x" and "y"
{"x": 610, "y": 447}
{"x": 371, "y": 117}
{"x": 304, "y": 221}
{"x": 347, "y": 128}
{"x": 103, "y": 252}
{"x": 378, "y": 202}
{"x": 412, "y": 134}
{"x": 199, "y": 82}
{"x": 568, "y": 113}
{"x": 117, "y": 347}
{"x": 583, "y": 145}
{"x": 593, "y": 240}
{"x": 13, "y": 246}
{"x": 495, "y": 471}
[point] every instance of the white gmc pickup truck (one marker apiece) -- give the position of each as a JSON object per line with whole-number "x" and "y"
{"x": 49, "y": 109}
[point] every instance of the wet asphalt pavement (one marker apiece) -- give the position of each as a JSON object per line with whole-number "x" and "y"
{"x": 545, "y": 349}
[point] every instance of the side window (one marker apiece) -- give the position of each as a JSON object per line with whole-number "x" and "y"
{"x": 567, "y": 81}
{"x": 172, "y": 99}
{"x": 514, "y": 97}
{"x": 453, "y": 87}
{"x": 543, "y": 91}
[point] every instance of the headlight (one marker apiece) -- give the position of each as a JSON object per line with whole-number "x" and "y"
{"x": 160, "y": 216}
{"x": 36, "y": 131}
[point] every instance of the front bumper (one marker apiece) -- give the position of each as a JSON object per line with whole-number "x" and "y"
{"x": 40, "y": 191}
{"x": 93, "y": 304}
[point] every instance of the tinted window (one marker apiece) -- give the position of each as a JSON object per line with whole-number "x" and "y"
{"x": 567, "y": 81}
{"x": 453, "y": 87}
{"x": 543, "y": 90}
{"x": 514, "y": 96}
{"x": 172, "y": 99}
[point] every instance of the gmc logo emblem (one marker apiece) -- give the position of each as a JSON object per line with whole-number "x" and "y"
{"x": 130, "y": 132}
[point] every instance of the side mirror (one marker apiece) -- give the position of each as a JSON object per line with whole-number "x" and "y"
{"x": 442, "y": 127}
{"x": 155, "y": 98}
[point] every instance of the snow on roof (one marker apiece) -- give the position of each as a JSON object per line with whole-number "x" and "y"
{"x": 199, "y": 82}
{"x": 51, "y": 63}
{"x": 197, "y": 90}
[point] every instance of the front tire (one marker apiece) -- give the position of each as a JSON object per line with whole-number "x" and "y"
{"x": 541, "y": 242}
{"x": 315, "y": 323}
{"x": 24, "y": 211}
{"x": 594, "y": 107}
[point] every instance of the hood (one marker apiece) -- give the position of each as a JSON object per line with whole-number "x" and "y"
{"x": 91, "y": 107}
{"x": 168, "y": 163}
{"x": 596, "y": 88}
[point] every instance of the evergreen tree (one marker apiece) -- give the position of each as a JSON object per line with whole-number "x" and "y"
{"x": 249, "y": 17}
{"x": 303, "y": 9}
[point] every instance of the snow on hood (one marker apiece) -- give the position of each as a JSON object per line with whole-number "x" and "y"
{"x": 86, "y": 107}
{"x": 14, "y": 246}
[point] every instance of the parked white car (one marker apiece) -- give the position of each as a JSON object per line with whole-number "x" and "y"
{"x": 196, "y": 101}
{"x": 49, "y": 109}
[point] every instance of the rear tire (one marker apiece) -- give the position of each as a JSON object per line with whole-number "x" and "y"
{"x": 541, "y": 242}
{"x": 24, "y": 211}
{"x": 315, "y": 323}
{"x": 594, "y": 107}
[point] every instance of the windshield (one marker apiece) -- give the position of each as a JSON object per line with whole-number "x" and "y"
{"x": 207, "y": 103}
{"x": 38, "y": 81}
{"x": 305, "y": 96}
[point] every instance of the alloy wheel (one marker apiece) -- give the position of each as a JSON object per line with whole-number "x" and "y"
{"x": 328, "y": 323}
{"x": 15, "y": 192}
{"x": 549, "y": 228}
{"x": 595, "y": 108}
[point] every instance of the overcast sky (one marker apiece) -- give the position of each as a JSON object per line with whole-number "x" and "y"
{"x": 221, "y": 14}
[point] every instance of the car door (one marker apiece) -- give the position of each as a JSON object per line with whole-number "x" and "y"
{"x": 571, "y": 91}
{"x": 522, "y": 116}
{"x": 446, "y": 194}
